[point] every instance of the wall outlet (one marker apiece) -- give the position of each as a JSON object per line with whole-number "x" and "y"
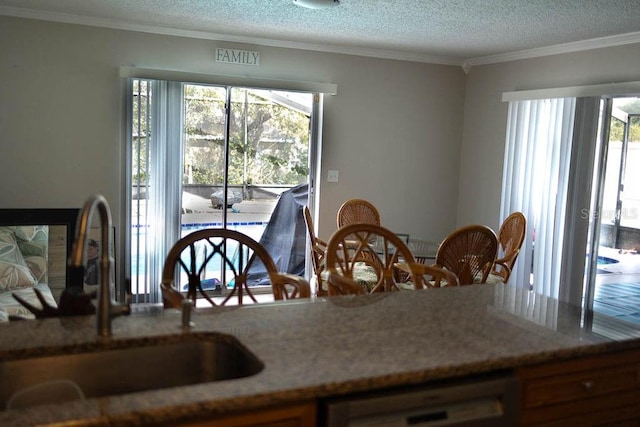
{"x": 332, "y": 176}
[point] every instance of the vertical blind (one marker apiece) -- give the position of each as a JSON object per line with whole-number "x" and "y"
{"x": 156, "y": 215}
{"x": 535, "y": 182}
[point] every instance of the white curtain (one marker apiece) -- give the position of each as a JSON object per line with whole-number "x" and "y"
{"x": 535, "y": 182}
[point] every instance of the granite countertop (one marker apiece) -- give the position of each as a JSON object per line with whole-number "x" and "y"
{"x": 329, "y": 347}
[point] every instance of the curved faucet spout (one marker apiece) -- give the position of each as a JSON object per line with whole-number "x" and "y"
{"x": 107, "y": 307}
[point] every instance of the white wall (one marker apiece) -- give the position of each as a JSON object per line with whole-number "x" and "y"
{"x": 393, "y": 131}
{"x": 486, "y": 115}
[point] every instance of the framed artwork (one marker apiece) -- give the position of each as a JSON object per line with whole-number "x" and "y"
{"x": 61, "y": 225}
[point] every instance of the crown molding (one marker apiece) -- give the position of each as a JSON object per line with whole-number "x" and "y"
{"x": 610, "y": 41}
{"x": 318, "y": 47}
{"x": 616, "y": 40}
{"x": 609, "y": 90}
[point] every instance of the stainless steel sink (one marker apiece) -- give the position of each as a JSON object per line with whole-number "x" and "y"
{"x": 124, "y": 366}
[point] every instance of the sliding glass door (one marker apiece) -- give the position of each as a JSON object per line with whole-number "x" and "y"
{"x": 613, "y": 276}
{"x": 209, "y": 156}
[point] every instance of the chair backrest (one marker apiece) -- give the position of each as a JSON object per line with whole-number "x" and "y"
{"x": 435, "y": 276}
{"x": 510, "y": 237}
{"x": 225, "y": 249}
{"x": 318, "y": 247}
{"x": 355, "y": 211}
{"x": 367, "y": 254}
{"x": 469, "y": 252}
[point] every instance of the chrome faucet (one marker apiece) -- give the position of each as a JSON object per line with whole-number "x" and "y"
{"x": 107, "y": 307}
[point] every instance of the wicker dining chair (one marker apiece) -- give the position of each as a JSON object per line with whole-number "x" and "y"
{"x": 436, "y": 277}
{"x": 355, "y": 211}
{"x": 342, "y": 285}
{"x": 510, "y": 237}
{"x": 433, "y": 276}
{"x": 318, "y": 247}
{"x": 237, "y": 253}
{"x": 469, "y": 252}
{"x": 357, "y": 248}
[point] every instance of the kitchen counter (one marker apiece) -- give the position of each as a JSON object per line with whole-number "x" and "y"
{"x": 331, "y": 347}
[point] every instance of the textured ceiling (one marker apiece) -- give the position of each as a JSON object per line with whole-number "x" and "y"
{"x": 440, "y": 31}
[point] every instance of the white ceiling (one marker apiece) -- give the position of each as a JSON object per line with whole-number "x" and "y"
{"x": 458, "y": 32}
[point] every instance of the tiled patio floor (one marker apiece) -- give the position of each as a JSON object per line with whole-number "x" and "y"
{"x": 617, "y": 292}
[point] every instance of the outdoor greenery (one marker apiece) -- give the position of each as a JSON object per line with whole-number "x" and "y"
{"x": 141, "y": 99}
{"x": 268, "y": 139}
{"x": 617, "y": 127}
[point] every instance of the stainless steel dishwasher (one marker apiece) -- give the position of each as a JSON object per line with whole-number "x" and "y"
{"x": 483, "y": 401}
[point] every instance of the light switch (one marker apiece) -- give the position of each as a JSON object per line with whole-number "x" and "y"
{"x": 332, "y": 176}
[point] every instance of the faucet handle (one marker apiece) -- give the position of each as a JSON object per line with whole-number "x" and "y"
{"x": 187, "y": 308}
{"x": 124, "y": 308}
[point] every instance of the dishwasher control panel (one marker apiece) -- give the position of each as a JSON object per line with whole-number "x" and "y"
{"x": 484, "y": 401}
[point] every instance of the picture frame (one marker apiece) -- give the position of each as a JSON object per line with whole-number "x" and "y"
{"x": 62, "y": 228}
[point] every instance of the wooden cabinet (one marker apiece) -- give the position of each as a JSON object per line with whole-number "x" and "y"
{"x": 591, "y": 391}
{"x": 299, "y": 415}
